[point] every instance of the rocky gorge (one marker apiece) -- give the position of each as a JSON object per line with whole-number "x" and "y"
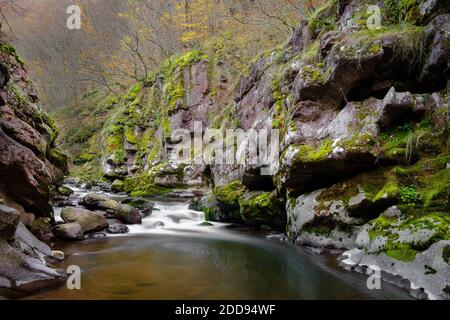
{"x": 364, "y": 167}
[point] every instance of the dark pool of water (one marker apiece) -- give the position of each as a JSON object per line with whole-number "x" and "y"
{"x": 214, "y": 265}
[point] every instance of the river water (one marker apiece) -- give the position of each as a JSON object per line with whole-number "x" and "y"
{"x": 172, "y": 255}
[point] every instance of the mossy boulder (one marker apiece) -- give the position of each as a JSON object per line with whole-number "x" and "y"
{"x": 403, "y": 237}
{"x": 258, "y": 207}
{"x": 117, "y": 185}
{"x": 65, "y": 191}
{"x": 228, "y": 195}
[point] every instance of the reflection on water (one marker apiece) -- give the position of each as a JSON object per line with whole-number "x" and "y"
{"x": 205, "y": 265}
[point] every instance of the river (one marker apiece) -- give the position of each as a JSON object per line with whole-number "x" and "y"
{"x": 173, "y": 255}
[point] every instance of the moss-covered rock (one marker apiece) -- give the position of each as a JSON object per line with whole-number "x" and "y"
{"x": 229, "y": 194}
{"x": 65, "y": 191}
{"x": 117, "y": 185}
{"x": 262, "y": 208}
{"x": 402, "y": 238}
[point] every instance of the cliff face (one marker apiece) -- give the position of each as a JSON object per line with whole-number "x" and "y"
{"x": 30, "y": 164}
{"x": 30, "y": 168}
{"x": 364, "y": 120}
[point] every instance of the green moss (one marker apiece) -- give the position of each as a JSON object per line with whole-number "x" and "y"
{"x": 114, "y": 143}
{"x": 405, "y": 142}
{"x": 390, "y": 190}
{"x": 78, "y": 136}
{"x": 133, "y": 92}
{"x": 324, "y": 18}
{"x": 405, "y": 255}
{"x": 130, "y": 137}
{"x": 261, "y": 207}
{"x": 437, "y": 223}
{"x": 17, "y": 92}
{"x": 230, "y": 193}
{"x": 119, "y": 156}
{"x": 312, "y": 52}
{"x": 84, "y": 158}
{"x": 446, "y": 254}
{"x": 436, "y": 189}
{"x": 409, "y": 194}
{"x": 117, "y": 185}
{"x": 314, "y": 73}
{"x": 309, "y": 153}
{"x": 320, "y": 230}
{"x": 403, "y": 10}
{"x": 57, "y": 157}
{"x": 65, "y": 191}
{"x": 9, "y": 50}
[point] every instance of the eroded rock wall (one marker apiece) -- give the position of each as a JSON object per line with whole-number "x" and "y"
{"x": 31, "y": 167}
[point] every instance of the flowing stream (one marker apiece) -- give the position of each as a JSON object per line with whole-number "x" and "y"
{"x": 174, "y": 255}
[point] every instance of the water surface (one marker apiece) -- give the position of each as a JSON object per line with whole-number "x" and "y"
{"x": 172, "y": 256}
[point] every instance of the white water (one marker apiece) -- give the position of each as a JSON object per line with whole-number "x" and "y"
{"x": 168, "y": 217}
{"x": 173, "y": 217}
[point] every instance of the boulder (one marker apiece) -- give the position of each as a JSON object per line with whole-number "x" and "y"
{"x": 117, "y": 186}
{"x": 21, "y": 274}
{"x": 65, "y": 191}
{"x": 126, "y": 213}
{"x": 69, "y": 231}
{"x": 88, "y": 220}
{"x": 259, "y": 207}
{"x": 9, "y": 220}
{"x": 396, "y": 106}
{"x": 115, "y": 227}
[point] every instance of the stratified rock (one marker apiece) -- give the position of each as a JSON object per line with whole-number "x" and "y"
{"x": 88, "y": 220}
{"x": 30, "y": 163}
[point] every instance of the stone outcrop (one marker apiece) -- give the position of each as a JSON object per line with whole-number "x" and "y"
{"x": 30, "y": 163}
{"x": 31, "y": 167}
{"x": 23, "y": 269}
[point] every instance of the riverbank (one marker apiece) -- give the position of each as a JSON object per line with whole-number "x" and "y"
{"x": 175, "y": 254}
